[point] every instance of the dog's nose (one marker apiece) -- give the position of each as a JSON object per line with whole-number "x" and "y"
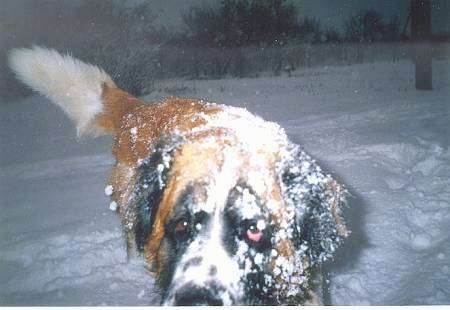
{"x": 192, "y": 295}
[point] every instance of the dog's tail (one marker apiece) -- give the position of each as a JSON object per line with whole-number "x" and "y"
{"x": 85, "y": 92}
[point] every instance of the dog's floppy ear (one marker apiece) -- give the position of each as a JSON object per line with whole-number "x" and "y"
{"x": 86, "y": 93}
{"x": 318, "y": 201}
{"x": 148, "y": 192}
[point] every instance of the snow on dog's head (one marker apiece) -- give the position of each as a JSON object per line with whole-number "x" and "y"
{"x": 225, "y": 209}
{"x": 231, "y": 212}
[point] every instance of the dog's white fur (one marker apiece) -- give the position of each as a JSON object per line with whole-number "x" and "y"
{"x": 70, "y": 83}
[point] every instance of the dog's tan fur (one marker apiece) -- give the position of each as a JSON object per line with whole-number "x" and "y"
{"x": 123, "y": 112}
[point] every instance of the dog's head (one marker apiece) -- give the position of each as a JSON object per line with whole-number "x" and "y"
{"x": 234, "y": 213}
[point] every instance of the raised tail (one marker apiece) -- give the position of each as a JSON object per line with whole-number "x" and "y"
{"x": 85, "y": 92}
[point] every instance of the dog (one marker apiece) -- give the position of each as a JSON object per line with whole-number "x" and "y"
{"x": 223, "y": 207}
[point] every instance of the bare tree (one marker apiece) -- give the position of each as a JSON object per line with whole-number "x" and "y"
{"x": 365, "y": 27}
{"x": 237, "y": 23}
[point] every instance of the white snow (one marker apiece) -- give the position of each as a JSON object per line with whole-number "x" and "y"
{"x": 109, "y": 190}
{"x": 365, "y": 124}
{"x": 261, "y": 225}
{"x": 113, "y": 206}
{"x": 249, "y": 208}
{"x": 133, "y": 132}
{"x": 258, "y": 259}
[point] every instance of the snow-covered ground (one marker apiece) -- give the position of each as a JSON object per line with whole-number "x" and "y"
{"x": 390, "y": 144}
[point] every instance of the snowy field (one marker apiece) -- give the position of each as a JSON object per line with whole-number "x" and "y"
{"x": 390, "y": 144}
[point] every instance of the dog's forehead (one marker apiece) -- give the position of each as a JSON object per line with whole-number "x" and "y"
{"x": 214, "y": 169}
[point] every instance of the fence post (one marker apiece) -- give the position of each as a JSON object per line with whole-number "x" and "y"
{"x": 420, "y": 34}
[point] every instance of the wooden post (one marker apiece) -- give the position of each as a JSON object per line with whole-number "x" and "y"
{"x": 420, "y": 34}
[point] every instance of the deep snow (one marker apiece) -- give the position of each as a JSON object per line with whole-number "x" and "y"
{"x": 390, "y": 144}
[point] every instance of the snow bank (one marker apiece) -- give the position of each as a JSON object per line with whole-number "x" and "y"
{"x": 390, "y": 144}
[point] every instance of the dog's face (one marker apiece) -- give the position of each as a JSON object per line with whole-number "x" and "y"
{"x": 224, "y": 220}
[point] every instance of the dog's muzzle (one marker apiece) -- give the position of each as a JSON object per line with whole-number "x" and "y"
{"x": 200, "y": 282}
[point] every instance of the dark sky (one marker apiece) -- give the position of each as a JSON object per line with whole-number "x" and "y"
{"x": 335, "y": 12}
{"x": 328, "y": 12}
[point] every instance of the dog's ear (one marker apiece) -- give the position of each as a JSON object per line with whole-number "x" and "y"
{"x": 148, "y": 193}
{"x": 318, "y": 201}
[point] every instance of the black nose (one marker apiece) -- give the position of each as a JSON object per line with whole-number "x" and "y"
{"x": 192, "y": 295}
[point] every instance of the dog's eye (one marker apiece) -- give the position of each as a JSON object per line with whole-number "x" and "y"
{"x": 254, "y": 232}
{"x": 182, "y": 228}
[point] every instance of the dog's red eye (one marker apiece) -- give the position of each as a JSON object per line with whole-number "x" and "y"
{"x": 254, "y": 234}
